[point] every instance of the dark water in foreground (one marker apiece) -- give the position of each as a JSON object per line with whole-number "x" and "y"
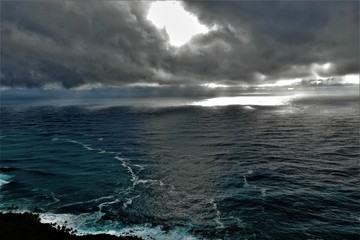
{"x": 188, "y": 172}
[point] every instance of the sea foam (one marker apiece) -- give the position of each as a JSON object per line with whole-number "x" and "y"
{"x": 88, "y": 223}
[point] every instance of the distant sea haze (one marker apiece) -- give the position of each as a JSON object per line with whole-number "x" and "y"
{"x": 235, "y": 167}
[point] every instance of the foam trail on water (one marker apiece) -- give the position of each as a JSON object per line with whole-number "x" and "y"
{"x": 218, "y": 217}
{"x": 108, "y": 203}
{"x": 130, "y": 200}
{"x": 249, "y": 108}
{"x": 149, "y": 181}
{"x": 141, "y": 167}
{"x": 135, "y": 178}
{"x": 86, "y": 146}
{"x": 89, "y": 201}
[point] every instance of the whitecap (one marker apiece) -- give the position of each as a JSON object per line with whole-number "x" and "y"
{"x": 88, "y": 223}
{"x": 263, "y": 192}
{"x": 88, "y": 147}
{"x": 151, "y": 181}
{"x": 245, "y": 182}
{"x": 250, "y": 171}
{"x": 249, "y": 108}
{"x": 5, "y": 179}
{"x": 148, "y": 233}
{"x": 60, "y": 219}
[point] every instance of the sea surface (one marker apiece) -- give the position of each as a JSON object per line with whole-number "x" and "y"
{"x": 251, "y": 167}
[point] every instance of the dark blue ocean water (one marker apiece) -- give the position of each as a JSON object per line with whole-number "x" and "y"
{"x": 282, "y": 171}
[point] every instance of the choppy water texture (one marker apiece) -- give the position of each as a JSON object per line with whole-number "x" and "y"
{"x": 188, "y": 172}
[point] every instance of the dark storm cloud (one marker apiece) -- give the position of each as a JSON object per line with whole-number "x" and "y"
{"x": 73, "y": 43}
{"x": 282, "y": 39}
{"x": 112, "y": 43}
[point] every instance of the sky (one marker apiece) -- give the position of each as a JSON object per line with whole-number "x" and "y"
{"x": 83, "y": 45}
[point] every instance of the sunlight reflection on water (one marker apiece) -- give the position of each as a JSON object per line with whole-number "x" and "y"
{"x": 245, "y": 100}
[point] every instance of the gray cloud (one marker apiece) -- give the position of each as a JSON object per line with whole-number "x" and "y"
{"x": 74, "y": 43}
{"x": 78, "y": 42}
{"x": 286, "y": 37}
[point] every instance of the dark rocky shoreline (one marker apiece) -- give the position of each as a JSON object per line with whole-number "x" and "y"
{"x": 18, "y": 226}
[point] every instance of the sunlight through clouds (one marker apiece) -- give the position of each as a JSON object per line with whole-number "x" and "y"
{"x": 180, "y": 25}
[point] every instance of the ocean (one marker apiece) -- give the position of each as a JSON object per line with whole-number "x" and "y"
{"x": 264, "y": 167}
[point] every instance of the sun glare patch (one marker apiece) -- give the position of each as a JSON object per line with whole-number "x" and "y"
{"x": 180, "y": 25}
{"x": 245, "y": 101}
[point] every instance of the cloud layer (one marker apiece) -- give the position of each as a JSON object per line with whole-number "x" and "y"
{"x": 75, "y": 43}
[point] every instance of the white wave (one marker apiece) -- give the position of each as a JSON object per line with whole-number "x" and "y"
{"x": 88, "y": 223}
{"x": 263, "y": 192}
{"x": 5, "y": 179}
{"x": 149, "y": 233}
{"x": 245, "y": 182}
{"x": 3, "y": 182}
{"x": 144, "y": 181}
{"x": 15, "y": 210}
{"x": 89, "y": 148}
{"x": 249, "y": 108}
{"x": 60, "y": 219}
